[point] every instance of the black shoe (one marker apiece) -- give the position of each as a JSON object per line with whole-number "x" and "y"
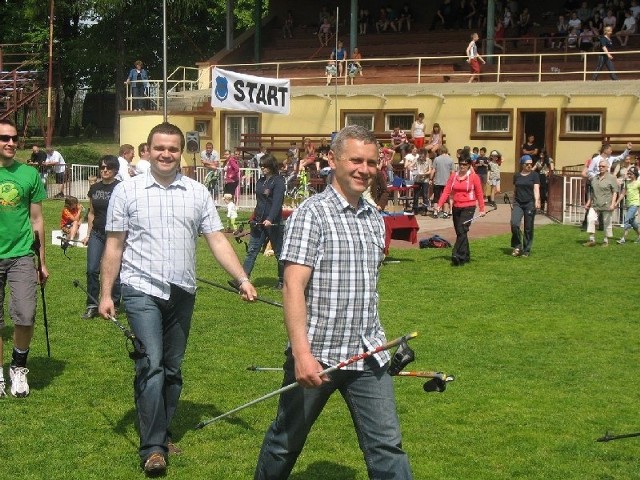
{"x": 455, "y": 261}
{"x": 92, "y": 312}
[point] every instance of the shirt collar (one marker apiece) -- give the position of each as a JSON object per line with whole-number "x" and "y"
{"x": 341, "y": 203}
{"x": 150, "y": 181}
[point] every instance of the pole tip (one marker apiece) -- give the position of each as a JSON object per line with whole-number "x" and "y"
{"x": 411, "y": 335}
{"x": 76, "y": 283}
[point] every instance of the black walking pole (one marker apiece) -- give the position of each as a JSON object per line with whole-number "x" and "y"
{"x": 36, "y": 249}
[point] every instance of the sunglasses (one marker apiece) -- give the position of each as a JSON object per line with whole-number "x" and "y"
{"x": 6, "y": 138}
{"x": 528, "y": 164}
{"x": 104, "y": 167}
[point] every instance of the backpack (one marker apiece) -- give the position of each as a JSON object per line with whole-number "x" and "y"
{"x": 435, "y": 242}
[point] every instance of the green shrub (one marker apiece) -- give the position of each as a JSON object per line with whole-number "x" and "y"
{"x": 79, "y": 154}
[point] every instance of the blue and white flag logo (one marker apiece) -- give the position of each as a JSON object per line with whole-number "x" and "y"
{"x": 237, "y": 91}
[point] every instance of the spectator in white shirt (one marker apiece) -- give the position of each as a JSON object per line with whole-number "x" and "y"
{"x": 628, "y": 28}
{"x": 55, "y": 160}
{"x": 143, "y": 163}
{"x": 124, "y": 159}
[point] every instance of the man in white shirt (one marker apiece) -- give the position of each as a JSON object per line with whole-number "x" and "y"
{"x": 605, "y": 154}
{"x": 144, "y": 153}
{"x": 55, "y": 160}
{"x": 126, "y": 171}
{"x": 208, "y": 156}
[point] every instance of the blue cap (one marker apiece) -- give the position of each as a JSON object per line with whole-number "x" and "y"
{"x": 525, "y": 158}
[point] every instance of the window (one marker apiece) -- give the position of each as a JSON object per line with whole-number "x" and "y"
{"x": 491, "y": 124}
{"x": 203, "y": 127}
{"x": 582, "y": 123}
{"x": 362, "y": 120}
{"x": 402, "y": 120}
{"x": 235, "y": 126}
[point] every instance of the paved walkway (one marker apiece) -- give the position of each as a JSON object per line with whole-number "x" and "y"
{"x": 494, "y": 223}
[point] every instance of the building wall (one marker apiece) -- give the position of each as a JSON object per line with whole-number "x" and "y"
{"x": 316, "y": 114}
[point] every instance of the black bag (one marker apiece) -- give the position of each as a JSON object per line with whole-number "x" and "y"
{"x": 435, "y": 242}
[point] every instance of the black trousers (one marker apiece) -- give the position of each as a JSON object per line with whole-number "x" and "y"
{"x": 461, "y": 253}
{"x": 528, "y": 211}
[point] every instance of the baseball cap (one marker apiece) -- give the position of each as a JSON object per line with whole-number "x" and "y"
{"x": 525, "y": 158}
{"x": 495, "y": 153}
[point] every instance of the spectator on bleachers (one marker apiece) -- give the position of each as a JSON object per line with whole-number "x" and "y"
{"x": 610, "y": 20}
{"x": 364, "y": 19}
{"x": 405, "y": 18}
{"x": 597, "y": 24}
{"x": 585, "y": 39}
{"x": 524, "y": 22}
{"x": 498, "y": 36}
{"x": 287, "y": 27}
{"x": 562, "y": 30}
{"x": 628, "y": 28}
{"x": 584, "y": 13}
{"x": 392, "y": 15}
{"x": 399, "y": 141}
{"x": 574, "y": 22}
{"x": 418, "y": 131}
{"x": 339, "y": 54}
{"x": 322, "y": 155}
{"x": 356, "y": 57}
{"x": 385, "y": 160}
{"x": 309, "y": 153}
{"x": 330, "y": 70}
{"x": 635, "y": 9}
{"x": 384, "y": 22}
{"x": 324, "y": 32}
{"x": 464, "y": 12}
{"x": 435, "y": 139}
{"x": 376, "y": 193}
{"x": 444, "y": 16}
{"x": 324, "y": 13}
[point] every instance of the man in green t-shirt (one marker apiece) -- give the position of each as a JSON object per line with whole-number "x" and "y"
{"x": 21, "y": 195}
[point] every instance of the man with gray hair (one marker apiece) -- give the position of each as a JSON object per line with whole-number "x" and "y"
{"x": 442, "y": 169}
{"x": 604, "y": 193}
{"x": 333, "y": 249}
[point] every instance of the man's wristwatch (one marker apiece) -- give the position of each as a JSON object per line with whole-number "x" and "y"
{"x": 241, "y": 280}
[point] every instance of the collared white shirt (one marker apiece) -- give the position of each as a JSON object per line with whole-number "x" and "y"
{"x": 123, "y": 170}
{"x": 162, "y": 226}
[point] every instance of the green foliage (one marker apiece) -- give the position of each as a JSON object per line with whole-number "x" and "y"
{"x": 544, "y": 355}
{"x": 81, "y": 154}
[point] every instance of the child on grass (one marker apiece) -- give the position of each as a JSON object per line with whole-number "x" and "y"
{"x": 232, "y": 213}
{"x": 70, "y": 217}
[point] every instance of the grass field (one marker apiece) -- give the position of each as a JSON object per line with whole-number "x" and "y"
{"x": 544, "y": 350}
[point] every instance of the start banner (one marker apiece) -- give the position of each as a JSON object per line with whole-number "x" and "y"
{"x": 238, "y": 91}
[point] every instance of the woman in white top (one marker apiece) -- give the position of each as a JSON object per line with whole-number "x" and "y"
{"x": 417, "y": 131}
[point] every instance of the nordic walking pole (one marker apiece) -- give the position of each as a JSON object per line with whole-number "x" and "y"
{"x": 608, "y": 438}
{"x": 235, "y": 290}
{"x": 139, "y": 350}
{"x": 36, "y": 249}
{"x": 291, "y": 386}
{"x": 471, "y": 220}
{"x": 440, "y": 375}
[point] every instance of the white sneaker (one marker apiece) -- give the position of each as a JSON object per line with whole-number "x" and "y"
{"x": 19, "y": 385}
{"x": 621, "y": 241}
{"x": 3, "y": 389}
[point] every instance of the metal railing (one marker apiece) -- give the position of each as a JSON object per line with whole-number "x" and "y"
{"x": 79, "y": 178}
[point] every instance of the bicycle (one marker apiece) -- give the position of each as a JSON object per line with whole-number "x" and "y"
{"x": 298, "y": 188}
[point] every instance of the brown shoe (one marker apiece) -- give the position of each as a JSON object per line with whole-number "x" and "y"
{"x": 155, "y": 464}
{"x": 590, "y": 243}
{"x": 173, "y": 449}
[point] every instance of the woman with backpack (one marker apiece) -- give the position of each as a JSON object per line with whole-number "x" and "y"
{"x": 466, "y": 188}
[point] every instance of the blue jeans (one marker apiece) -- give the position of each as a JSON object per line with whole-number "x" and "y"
{"x": 370, "y": 399}
{"x": 630, "y": 218}
{"x": 604, "y": 61}
{"x": 528, "y": 211}
{"x": 163, "y": 327}
{"x": 95, "y": 248}
{"x": 258, "y": 237}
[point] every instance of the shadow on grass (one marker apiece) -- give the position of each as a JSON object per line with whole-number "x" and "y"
{"x": 326, "y": 471}
{"x": 42, "y": 370}
{"x": 188, "y": 415}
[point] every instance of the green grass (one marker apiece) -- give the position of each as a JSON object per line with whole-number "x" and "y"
{"x": 544, "y": 351}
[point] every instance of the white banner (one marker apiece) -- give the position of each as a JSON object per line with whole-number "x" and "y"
{"x": 237, "y": 91}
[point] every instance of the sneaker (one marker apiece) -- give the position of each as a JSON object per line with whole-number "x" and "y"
{"x": 525, "y": 255}
{"x": 605, "y": 244}
{"x": 155, "y": 464}
{"x": 622, "y": 241}
{"x": 590, "y": 243}
{"x": 92, "y": 312}
{"x": 516, "y": 252}
{"x": 3, "y": 389}
{"x": 19, "y": 385}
